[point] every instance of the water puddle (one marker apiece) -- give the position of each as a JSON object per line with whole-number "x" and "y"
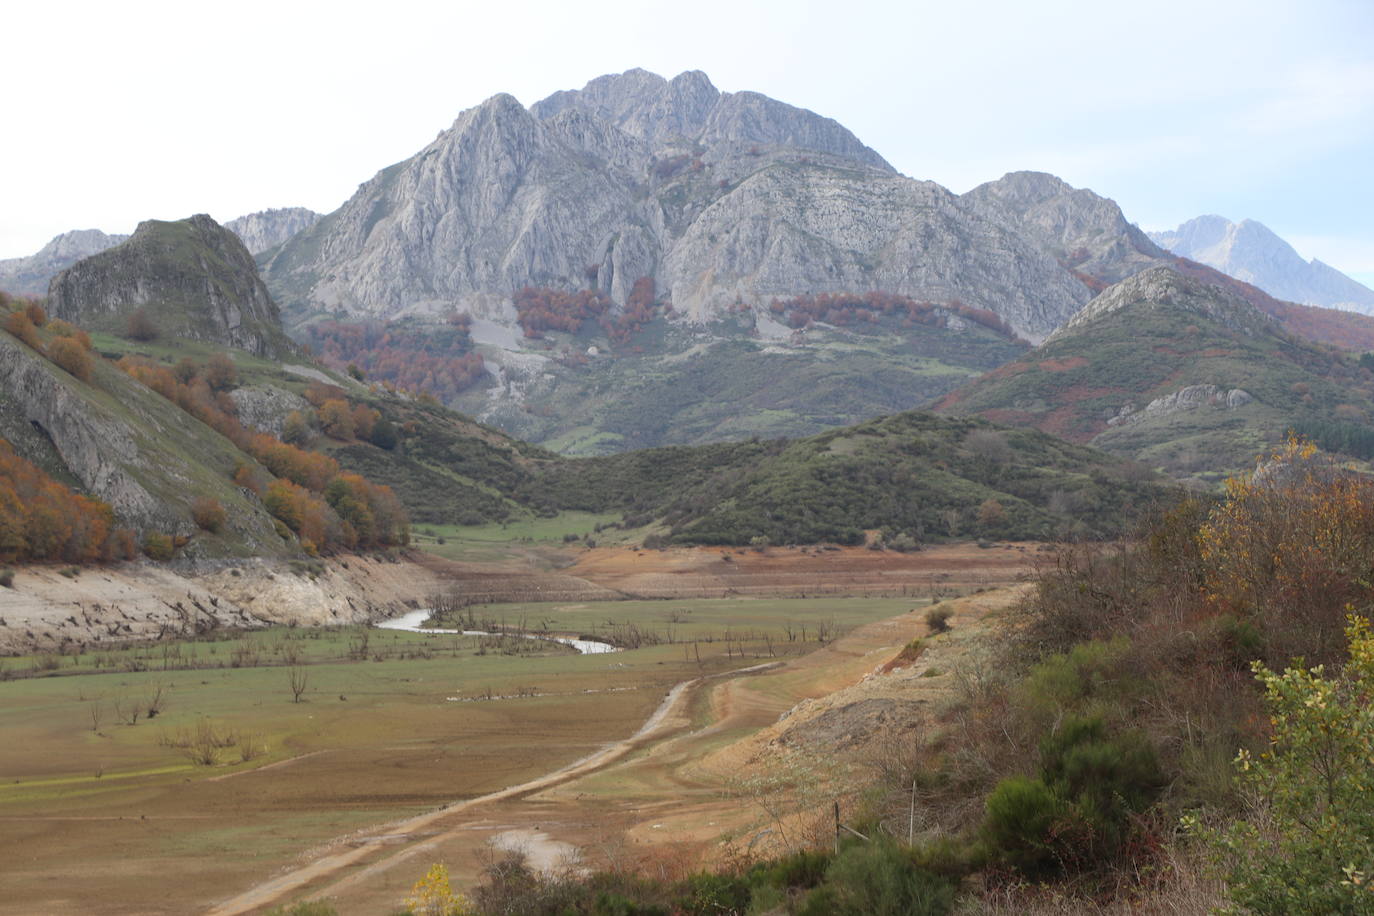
{"x": 410, "y": 623}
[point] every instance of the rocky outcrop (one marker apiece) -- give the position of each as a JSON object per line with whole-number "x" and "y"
{"x": 1190, "y": 397}
{"x": 193, "y": 278}
{"x": 1164, "y": 287}
{"x": 721, "y": 198}
{"x": 144, "y": 601}
{"x": 269, "y": 228}
{"x": 265, "y": 408}
{"x": 1250, "y": 251}
{"x": 29, "y": 276}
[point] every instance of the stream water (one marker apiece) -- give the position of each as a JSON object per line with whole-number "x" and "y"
{"x": 410, "y": 623}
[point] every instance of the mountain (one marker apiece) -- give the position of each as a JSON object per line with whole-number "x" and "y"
{"x": 617, "y": 247}
{"x": 719, "y": 198}
{"x": 192, "y": 278}
{"x": 1181, "y": 374}
{"x": 1250, "y": 251}
{"x": 269, "y": 228}
{"x": 29, "y": 276}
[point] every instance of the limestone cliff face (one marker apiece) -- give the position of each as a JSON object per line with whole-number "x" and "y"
{"x": 30, "y": 275}
{"x": 1083, "y": 231}
{"x": 269, "y": 228}
{"x": 721, "y": 198}
{"x": 193, "y": 277}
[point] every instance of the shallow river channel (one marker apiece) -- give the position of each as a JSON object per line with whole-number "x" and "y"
{"x": 410, "y": 622}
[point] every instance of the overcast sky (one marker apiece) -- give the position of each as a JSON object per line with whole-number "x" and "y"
{"x": 117, "y": 112}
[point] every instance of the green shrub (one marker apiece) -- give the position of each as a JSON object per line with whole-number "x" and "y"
{"x": 804, "y": 869}
{"x": 7, "y": 578}
{"x": 714, "y": 892}
{"x": 1021, "y": 815}
{"x": 158, "y": 546}
{"x": 1106, "y": 778}
{"x": 1309, "y": 847}
{"x": 1089, "y": 677}
{"x": 1079, "y": 810}
{"x": 879, "y": 879}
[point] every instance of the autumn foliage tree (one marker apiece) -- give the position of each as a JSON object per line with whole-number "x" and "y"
{"x": 68, "y": 353}
{"x": 850, "y": 309}
{"x": 294, "y": 496}
{"x": 540, "y": 309}
{"x": 40, "y": 519}
{"x": 21, "y": 326}
{"x": 438, "y": 361}
{"x": 209, "y": 514}
{"x": 140, "y": 326}
{"x": 1290, "y": 548}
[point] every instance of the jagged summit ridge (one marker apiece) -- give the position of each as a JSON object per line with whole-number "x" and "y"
{"x": 721, "y": 199}
{"x": 689, "y": 108}
{"x": 269, "y": 228}
{"x": 1250, "y": 251}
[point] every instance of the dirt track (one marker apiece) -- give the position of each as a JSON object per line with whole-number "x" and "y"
{"x": 330, "y": 865}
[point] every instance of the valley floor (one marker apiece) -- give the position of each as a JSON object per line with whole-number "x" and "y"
{"x": 429, "y": 748}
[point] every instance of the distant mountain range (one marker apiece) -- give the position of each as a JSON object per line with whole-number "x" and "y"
{"x": 650, "y": 261}
{"x": 1250, "y": 251}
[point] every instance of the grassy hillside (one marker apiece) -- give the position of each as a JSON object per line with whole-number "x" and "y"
{"x": 444, "y": 467}
{"x": 114, "y": 438}
{"x": 1095, "y": 382}
{"x": 914, "y": 476}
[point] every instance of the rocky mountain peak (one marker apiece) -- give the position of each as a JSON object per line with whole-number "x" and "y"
{"x": 689, "y": 109}
{"x": 1025, "y": 189}
{"x": 719, "y": 198}
{"x": 269, "y": 228}
{"x": 193, "y": 278}
{"x": 1088, "y": 233}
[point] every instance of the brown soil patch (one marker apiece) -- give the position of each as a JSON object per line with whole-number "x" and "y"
{"x": 1009, "y": 417}
{"x": 1063, "y": 365}
{"x": 701, "y": 572}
